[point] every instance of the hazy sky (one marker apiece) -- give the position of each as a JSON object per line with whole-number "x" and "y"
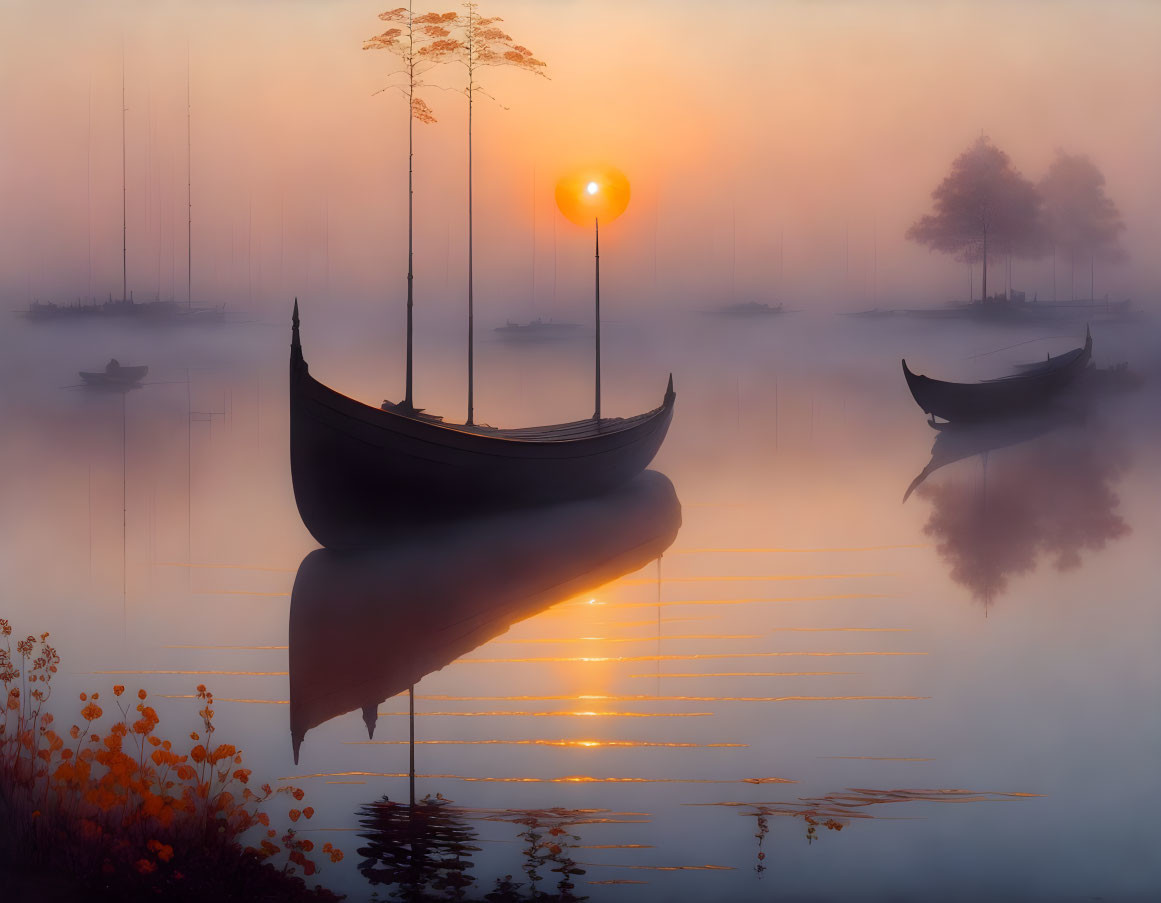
{"x": 824, "y": 123}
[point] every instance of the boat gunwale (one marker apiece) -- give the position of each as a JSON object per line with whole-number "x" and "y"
{"x": 373, "y": 416}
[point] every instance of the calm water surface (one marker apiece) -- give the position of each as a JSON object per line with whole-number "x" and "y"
{"x": 760, "y": 675}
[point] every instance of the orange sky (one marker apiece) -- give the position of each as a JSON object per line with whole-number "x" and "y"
{"x": 809, "y": 120}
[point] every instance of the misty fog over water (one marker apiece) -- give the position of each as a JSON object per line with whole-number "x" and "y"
{"x": 760, "y": 671}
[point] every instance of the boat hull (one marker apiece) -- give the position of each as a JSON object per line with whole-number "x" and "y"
{"x": 977, "y": 402}
{"x": 121, "y": 378}
{"x": 363, "y": 474}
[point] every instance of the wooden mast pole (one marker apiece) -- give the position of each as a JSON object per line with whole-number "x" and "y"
{"x": 407, "y": 398}
{"x": 124, "y": 204}
{"x": 471, "y": 223}
{"x": 597, "y": 283}
{"x": 188, "y": 190}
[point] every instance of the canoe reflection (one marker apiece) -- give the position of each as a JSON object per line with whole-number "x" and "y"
{"x": 366, "y": 626}
{"x": 1045, "y": 489}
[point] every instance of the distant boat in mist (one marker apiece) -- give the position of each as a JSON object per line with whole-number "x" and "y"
{"x": 126, "y": 308}
{"x": 115, "y": 376}
{"x": 748, "y": 309}
{"x": 539, "y": 330}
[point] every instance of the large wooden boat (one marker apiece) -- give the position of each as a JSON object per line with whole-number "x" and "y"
{"x": 1005, "y": 397}
{"x": 366, "y": 626}
{"x": 362, "y": 474}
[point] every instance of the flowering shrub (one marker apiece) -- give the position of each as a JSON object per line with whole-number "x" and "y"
{"x": 120, "y": 807}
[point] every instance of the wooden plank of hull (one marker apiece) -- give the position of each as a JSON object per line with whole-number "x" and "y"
{"x": 366, "y": 626}
{"x": 973, "y": 402}
{"x": 362, "y": 474}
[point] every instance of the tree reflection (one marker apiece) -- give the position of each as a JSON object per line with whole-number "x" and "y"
{"x": 1051, "y": 497}
{"x": 421, "y": 849}
{"x": 424, "y": 851}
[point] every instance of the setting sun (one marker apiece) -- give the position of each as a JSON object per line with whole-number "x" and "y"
{"x": 593, "y": 193}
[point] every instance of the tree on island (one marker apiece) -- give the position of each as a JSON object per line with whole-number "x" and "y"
{"x": 481, "y": 44}
{"x": 983, "y": 207}
{"x": 415, "y": 40}
{"x": 1080, "y": 219}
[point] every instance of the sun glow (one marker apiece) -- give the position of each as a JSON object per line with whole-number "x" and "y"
{"x": 593, "y": 193}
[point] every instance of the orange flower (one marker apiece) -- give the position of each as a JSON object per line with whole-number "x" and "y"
{"x": 295, "y": 815}
{"x": 141, "y": 694}
{"x": 118, "y": 689}
{"x": 308, "y": 811}
{"x": 144, "y": 866}
{"x": 337, "y": 856}
{"x": 91, "y": 712}
{"x": 298, "y": 794}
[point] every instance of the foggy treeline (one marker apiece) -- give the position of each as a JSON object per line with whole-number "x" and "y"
{"x": 785, "y": 151}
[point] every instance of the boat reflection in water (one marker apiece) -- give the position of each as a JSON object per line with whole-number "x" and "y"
{"x": 365, "y": 626}
{"x": 1045, "y": 489}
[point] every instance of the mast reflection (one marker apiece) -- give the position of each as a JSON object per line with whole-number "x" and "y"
{"x": 366, "y": 626}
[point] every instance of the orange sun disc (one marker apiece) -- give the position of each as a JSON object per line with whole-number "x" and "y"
{"x": 595, "y": 192}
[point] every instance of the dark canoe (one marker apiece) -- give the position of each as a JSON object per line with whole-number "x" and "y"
{"x": 365, "y": 626}
{"x": 996, "y": 398}
{"x": 116, "y": 378}
{"x": 364, "y": 474}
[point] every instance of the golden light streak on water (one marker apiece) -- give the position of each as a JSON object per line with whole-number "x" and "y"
{"x": 720, "y": 578}
{"x": 839, "y": 630}
{"x": 707, "y": 551}
{"x": 568, "y": 779}
{"x": 754, "y": 600}
{"x": 635, "y": 639}
{"x": 552, "y": 714}
{"x": 587, "y": 744}
{"x": 665, "y": 658}
{"x": 753, "y": 674}
{"x": 651, "y": 698}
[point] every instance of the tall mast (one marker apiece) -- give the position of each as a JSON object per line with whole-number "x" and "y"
{"x": 597, "y": 283}
{"x": 89, "y": 197}
{"x": 124, "y": 206}
{"x": 471, "y": 256}
{"x": 410, "y": 196}
{"x": 188, "y": 190}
